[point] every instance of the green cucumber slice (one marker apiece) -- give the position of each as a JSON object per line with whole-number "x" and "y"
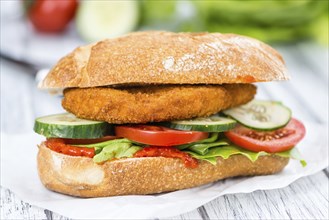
{"x": 67, "y": 125}
{"x": 98, "y": 20}
{"x": 210, "y": 124}
{"x": 261, "y": 115}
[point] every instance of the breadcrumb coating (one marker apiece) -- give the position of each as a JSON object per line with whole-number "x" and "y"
{"x": 157, "y": 103}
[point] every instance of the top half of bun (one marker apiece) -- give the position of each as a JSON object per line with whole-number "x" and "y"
{"x": 156, "y": 57}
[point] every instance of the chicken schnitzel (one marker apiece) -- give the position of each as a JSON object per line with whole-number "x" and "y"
{"x": 154, "y": 103}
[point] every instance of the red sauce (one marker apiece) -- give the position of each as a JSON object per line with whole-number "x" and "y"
{"x": 247, "y": 79}
{"x": 169, "y": 152}
{"x": 59, "y": 145}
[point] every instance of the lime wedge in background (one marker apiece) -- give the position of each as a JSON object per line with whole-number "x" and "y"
{"x": 97, "y": 20}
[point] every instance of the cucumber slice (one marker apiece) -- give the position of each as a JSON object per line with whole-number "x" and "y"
{"x": 261, "y": 115}
{"x": 97, "y": 20}
{"x": 210, "y": 124}
{"x": 68, "y": 126}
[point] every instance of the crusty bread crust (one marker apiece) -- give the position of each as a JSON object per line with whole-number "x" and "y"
{"x": 80, "y": 176}
{"x": 155, "y": 57}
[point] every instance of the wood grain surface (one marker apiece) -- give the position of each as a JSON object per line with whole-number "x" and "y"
{"x": 306, "y": 94}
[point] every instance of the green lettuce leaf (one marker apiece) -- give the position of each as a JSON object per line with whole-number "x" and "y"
{"x": 204, "y": 148}
{"x": 115, "y": 150}
{"x": 212, "y": 160}
{"x": 216, "y": 146}
{"x": 213, "y": 137}
{"x": 227, "y": 151}
{"x": 293, "y": 154}
{"x": 230, "y": 150}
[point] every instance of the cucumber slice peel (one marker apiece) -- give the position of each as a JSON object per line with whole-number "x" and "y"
{"x": 261, "y": 115}
{"x": 208, "y": 124}
{"x": 67, "y": 125}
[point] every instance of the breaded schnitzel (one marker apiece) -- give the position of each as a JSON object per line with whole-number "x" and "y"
{"x": 154, "y": 103}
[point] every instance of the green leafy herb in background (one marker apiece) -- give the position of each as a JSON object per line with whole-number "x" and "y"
{"x": 270, "y": 20}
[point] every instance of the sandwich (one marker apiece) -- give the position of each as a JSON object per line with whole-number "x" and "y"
{"x": 153, "y": 112}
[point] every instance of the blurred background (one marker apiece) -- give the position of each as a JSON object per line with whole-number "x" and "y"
{"x": 39, "y": 32}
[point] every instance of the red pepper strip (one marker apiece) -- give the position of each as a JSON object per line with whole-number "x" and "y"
{"x": 169, "y": 152}
{"x": 58, "y": 145}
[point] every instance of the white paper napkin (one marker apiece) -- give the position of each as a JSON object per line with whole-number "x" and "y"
{"x": 19, "y": 174}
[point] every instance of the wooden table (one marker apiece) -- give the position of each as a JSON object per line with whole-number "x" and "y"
{"x": 306, "y": 94}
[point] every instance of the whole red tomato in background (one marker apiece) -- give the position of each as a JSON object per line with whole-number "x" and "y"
{"x": 51, "y": 15}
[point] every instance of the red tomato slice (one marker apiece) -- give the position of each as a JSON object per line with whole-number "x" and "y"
{"x": 274, "y": 141}
{"x": 158, "y": 136}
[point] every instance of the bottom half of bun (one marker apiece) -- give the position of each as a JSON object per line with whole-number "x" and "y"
{"x": 80, "y": 176}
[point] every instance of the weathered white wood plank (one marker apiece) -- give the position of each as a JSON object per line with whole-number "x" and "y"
{"x": 307, "y": 198}
{"x": 14, "y": 208}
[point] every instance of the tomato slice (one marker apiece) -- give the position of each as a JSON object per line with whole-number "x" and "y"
{"x": 158, "y": 136}
{"x": 274, "y": 141}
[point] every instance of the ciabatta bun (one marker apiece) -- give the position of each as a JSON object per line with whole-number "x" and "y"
{"x": 80, "y": 176}
{"x": 168, "y": 58}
